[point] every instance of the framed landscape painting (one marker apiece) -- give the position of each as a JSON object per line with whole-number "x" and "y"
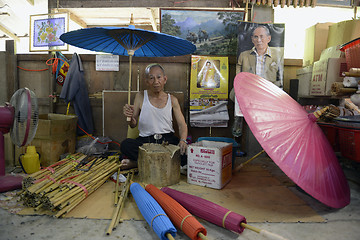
{"x": 45, "y": 32}
{"x": 214, "y": 32}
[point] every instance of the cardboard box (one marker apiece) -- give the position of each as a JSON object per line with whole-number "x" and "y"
{"x": 51, "y": 150}
{"x": 315, "y": 41}
{"x": 55, "y": 126}
{"x": 304, "y": 75}
{"x": 55, "y": 136}
{"x": 332, "y": 52}
{"x": 209, "y": 164}
{"x": 343, "y": 32}
{"x": 325, "y": 73}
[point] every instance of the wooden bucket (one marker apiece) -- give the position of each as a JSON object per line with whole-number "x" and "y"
{"x": 159, "y": 164}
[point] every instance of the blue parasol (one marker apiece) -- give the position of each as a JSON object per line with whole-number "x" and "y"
{"x": 128, "y": 41}
{"x": 152, "y": 212}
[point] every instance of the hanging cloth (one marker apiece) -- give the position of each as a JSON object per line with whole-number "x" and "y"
{"x": 75, "y": 90}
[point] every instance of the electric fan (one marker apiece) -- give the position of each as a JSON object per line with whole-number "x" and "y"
{"x": 20, "y": 117}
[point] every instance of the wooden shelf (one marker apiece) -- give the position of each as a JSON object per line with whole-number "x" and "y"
{"x": 319, "y": 100}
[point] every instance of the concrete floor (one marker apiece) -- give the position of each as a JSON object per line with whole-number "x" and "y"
{"x": 341, "y": 224}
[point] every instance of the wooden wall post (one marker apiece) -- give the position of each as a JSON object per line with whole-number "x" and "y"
{"x": 12, "y": 83}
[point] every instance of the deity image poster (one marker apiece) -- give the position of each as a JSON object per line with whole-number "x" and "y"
{"x": 209, "y": 81}
{"x": 209, "y": 91}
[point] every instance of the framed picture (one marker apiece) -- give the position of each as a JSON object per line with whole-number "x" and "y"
{"x": 214, "y": 32}
{"x": 45, "y": 32}
{"x": 209, "y": 91}
{"x": 266, "y": 39}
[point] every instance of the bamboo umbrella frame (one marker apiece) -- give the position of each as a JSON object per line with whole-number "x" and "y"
{"x": 61, "y": 187}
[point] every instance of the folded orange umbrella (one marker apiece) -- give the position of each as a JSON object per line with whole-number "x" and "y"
{"x": 179, "y": 216}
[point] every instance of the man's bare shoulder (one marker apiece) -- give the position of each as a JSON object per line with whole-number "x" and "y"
{"x": 139, "y": 98}
{"x": 139, "y": 94}
{"x": 174, "y": 100}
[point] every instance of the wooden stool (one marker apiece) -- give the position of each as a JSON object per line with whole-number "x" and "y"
{"x": 159, "y": 164}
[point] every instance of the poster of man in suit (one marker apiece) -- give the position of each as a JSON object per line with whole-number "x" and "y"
{"x": 261, "y": 50}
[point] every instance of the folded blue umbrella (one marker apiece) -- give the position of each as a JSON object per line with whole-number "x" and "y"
{"x": 154, "y": 215}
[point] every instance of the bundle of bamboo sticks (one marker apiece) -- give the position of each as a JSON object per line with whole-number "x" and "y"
{"x": 120, "y": 199}
{"x": 62, "y": 186}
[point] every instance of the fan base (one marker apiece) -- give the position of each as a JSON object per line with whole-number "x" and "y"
{"x": 9, "y": 182}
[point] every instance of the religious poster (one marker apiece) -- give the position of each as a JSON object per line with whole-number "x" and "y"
{"x": 209, "y": 91}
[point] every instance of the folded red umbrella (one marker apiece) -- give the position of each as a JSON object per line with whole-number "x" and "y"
{"x": 178, "y": 215}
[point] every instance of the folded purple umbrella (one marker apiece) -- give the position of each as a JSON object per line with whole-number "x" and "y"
{"x": 208, "y": 210}
{"x": 216, "y": 214}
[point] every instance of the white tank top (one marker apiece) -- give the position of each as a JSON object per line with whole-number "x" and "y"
{"x": 153, "y": 120}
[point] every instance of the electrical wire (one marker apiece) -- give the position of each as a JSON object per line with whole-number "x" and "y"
{"x": 54, "y": 66}
{"x": 97, "y": 140}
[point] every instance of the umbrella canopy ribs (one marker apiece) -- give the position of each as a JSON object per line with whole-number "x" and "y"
{"x": 129, "y": 39}
{"x": 292, "y": 138}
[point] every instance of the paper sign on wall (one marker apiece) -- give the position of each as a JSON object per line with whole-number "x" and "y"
{"x": 107, "y": 63}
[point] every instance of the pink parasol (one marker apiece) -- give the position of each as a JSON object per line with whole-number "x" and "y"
{"x": 292, "y": 139}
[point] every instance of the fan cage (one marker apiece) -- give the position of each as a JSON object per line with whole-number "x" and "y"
{"x": 26, "y": 116}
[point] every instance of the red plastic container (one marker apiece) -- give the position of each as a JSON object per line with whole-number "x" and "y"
{"x": 352, "y": 53}
{"x": 332, "y": 134}
{"x": 349, "y": 139}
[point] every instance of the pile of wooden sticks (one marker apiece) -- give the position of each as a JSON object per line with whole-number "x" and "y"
{"x": 62, "y": 186}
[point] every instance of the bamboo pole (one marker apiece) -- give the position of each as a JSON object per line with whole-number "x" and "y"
{"x": 120, "y": 204}
{"x": 116, "y": 195}
{"x": 124, "y": 194}
{"x": 248, "y": 161}
{"x": 169, "y": 236}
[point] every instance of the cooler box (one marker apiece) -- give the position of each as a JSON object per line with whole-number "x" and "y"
{"x": 209, "y": 164}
